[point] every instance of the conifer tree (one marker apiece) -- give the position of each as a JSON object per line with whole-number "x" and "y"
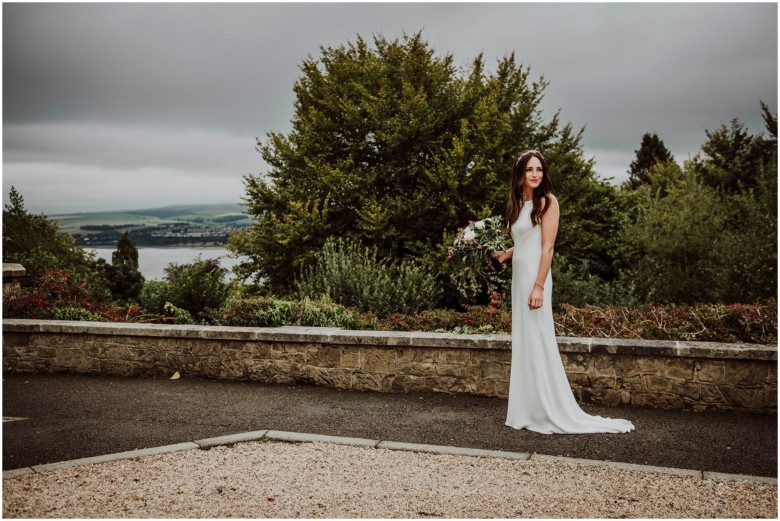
{"x": 124, "y": 278}
{"x": 651, "y": 152}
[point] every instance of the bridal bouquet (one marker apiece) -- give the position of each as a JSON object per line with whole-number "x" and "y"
{"x": 473, "y": 250}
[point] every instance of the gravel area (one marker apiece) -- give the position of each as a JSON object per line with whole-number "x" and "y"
{"x": 319, "y": 480}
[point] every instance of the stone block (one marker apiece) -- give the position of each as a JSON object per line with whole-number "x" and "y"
{"x": 417, "y": 368}
{"x": 92, "y": 365}
{"x": 458, "y": 371}
{"x": 658, "y": 401}
{"x": 417, "y": 354}
{"x": 323, "y": 356}
{"x": 47, "y": 352}
{"x": 234, "y": 363}
{"x": 370, "y": 382}
{"x": 195, "y": 347}
{"x": 578, "y": 379}
{"x": 25, "y": 366}
{"x": 50, "y": 340}
{"x": 260, "y": 349}
{"x": 491, "y": 355}
{"x": 294, "y": 369}
{"x": 454, "y": 356}
{"x": 15, "y": 340}
{"x": 771, "y": 375}
{"x": 10, "y": 365}
{"x": 711, "y": 394}
{"x": 631, "y": 383}
{"x": 448, "y": 384}
{"x": 377, "y": 361}
{"x": 681, "y": 368}
{"x": 118, "y": 368}
{"x": 70, "y": 358}
{"x": 681, "y": 388}
{"x": 605, "y": 365}
{"x": 289, "y": 353}
{"x": 256, "y": 370}
{"x": 350, "y": 358}
{"x": 411, "y": 384}
{"x": 330, "y": 377}
{"x": 651, "y": 365}
{"x": 770, "y": 397}
{"x": 43, "y": 365}
{"x": 745, "y": 373}
{"x": 25, "y": 351}
{"x": 576, "y": 362}
{"x": 711, "y": 371}
{"x": 495, "y": 371}
{"x": 117, "y": 352}
{"x": 740, "y": 397}
{"x": 603, "y": 382}
{"x": 613, "y": 397}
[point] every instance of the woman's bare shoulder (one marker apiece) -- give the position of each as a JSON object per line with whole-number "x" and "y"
{"x": 553, "y": 201}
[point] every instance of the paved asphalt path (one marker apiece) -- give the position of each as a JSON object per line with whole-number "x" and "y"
{"x": 71, "y": 417}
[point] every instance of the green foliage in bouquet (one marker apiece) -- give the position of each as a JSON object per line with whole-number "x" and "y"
{"x": 473, "y": 269}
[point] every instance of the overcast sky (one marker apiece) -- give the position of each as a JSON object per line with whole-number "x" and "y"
{"x": 127, "y": 106}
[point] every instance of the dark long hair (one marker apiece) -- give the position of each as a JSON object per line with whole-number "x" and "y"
{"x": 542, "y": 191}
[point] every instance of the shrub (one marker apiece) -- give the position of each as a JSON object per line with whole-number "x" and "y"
{"x": 351, "y": 275}
{"x": 58, "y": 295}
{"x": 270, "y": 312}
{"x": 154, "y": 295}
{"x": 476, "y": 319}
{"x": 750, "y": 323}
{"x": 736, "y": 323}
{"x": 197, "y": 287}
{"x": 76, "y": 314}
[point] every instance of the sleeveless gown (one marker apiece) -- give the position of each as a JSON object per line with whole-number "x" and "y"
{"x": 540, "y": 398}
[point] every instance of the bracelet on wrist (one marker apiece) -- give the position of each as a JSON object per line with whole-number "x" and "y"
{"x": 537, "y": 284}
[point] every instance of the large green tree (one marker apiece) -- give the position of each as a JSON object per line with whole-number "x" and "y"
{"x": 394, "y": 146}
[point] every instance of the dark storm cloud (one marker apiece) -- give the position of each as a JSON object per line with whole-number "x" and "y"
{"x": 182, "y": 89}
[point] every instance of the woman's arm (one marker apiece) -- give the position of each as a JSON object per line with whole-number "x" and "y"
{"x": 504, "y": 256}
{"x": 549, "y": 233}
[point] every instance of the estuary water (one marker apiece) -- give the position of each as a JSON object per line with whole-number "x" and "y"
{"x": 153, "y": 260}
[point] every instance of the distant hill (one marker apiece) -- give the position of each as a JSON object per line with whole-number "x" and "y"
{"x": 167, "y": 225}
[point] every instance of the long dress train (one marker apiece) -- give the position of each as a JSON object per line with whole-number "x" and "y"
{"x": 540, "y": 398}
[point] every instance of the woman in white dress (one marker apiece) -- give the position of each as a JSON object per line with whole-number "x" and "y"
{"x": 540, "y": 398}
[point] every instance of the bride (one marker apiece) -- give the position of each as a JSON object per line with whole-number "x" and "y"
{"x": 540, "y": 398}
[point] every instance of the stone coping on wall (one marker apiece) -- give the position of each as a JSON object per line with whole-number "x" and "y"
{"x": 13, "y": 270}
{"x": 337, "y": 336}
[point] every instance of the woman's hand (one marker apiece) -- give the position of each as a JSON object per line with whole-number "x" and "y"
{"x": 536, "y": 298}
{"x": 502, "y": 256}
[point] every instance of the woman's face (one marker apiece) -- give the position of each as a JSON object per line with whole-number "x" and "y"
{"x": 533, "y": 173}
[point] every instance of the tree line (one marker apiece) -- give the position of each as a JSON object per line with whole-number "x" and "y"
{"x": 393, "y": 148}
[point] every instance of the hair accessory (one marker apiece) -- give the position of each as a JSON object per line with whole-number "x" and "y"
{"x": 521, "y": 156}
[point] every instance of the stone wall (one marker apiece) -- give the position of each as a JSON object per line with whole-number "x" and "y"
{"x": 667, "y": 374}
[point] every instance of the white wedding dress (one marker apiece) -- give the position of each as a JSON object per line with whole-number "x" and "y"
{"x": 540, "y": 398}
